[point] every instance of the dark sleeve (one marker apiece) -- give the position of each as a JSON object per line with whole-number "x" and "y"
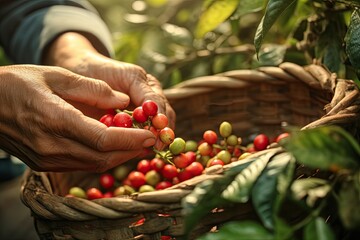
{"x": 28, "y": 26}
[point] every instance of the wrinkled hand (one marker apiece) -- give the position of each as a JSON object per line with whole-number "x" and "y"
{"x": 74, "y": 52}
{"x": 39, "y": 126}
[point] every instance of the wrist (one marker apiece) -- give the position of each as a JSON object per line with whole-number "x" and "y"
{"x": 71, "y": 49}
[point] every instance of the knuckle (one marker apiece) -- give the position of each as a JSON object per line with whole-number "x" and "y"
{"x": 102, "y": 144}
{"x": 101, "y": 88}
{"x": 129, "y": 144}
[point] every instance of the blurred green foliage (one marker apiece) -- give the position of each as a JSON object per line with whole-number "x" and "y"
{"x": 181, "y": 39}
{"x": 159, "y": 35}
{"x": 177, "y": 40}
{"x": 3, "y": 59}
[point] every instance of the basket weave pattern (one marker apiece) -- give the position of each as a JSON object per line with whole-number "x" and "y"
{"x": 254, "y": 101}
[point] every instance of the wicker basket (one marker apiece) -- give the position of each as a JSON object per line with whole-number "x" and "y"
{"x": 254, "y": 101}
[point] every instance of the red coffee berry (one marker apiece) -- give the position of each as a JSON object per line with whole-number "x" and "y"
{"x": 281, "y": 136}
{"x": 150, "y": 108}
{"x": 191, "y": 156}
{"x": 157, "y": 164}
{"x": 122, "y": 119}
{"x": 107, "y": 180}
{"x": 152, "y": 129}
{"x": 184, "y": 175}
{"x": 169, "y": 171}
{"x": 205, "y": 149}
{"x": 216, "y": 162}
{"x": 139, "y": 115}
{"x": 143, "y": 166}
{"x": 261, "y": 142}
{"x": 163, "y": 185}
{"x": 167, "y": 135}
{"x": 181, "y": 160}
{"x": 94, "y": 193}
{"x": 108, "y": 194}
{"x": 210, "y": 137}
{"x": 195, "y": 168}
{"x": 165, "y": 237}
{"x": 159, "y": 121}
{"x": 107, "y": 119}
{"x": 136, "y": 179}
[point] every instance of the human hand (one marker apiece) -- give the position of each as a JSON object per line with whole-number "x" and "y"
{"x": 76, "y": 53}
{"x": 41, "y": 127}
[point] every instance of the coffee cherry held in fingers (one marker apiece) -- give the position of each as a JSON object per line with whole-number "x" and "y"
{"x": 122, "y": 119}
{"x": 150, "y": 108}
{"x": 107, "y": 119}
{"x": 139, "y": 115}
{"x": 159, "y": 121}
{"x": 167, "y": 135}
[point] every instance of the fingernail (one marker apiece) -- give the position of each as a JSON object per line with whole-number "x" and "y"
{"x": 149, "y": 142}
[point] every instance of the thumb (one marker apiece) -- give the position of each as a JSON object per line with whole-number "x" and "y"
{"x": 89, "y": 91}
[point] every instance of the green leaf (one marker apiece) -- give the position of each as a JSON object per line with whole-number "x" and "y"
{"x": 217, "y": 12}
{"x": 329, "y": 45}
{"x": 330, "y": 48}
{"x": 348, "y": 202}
{"x": 239, "y": 189}
{"x": 283, "y": 230}
{"x": 272, "y": 54}
{"x": 352, "y": 39}
{"x": 202, "y": 200}
{"x": 319, "y": 230}
{"x": 240, "y": 230}
{"x": 265, "y": 189}
{"x": 312, "y": 188}
{"x": 273, "y": 10}
{"x": 249, "y": 6}
{"x": 240, "y": 165}
{"x": 326, "y": 147}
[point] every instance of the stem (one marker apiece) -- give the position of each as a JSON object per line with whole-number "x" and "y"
{"x": 128, "y": 112}
{"x": 310, "y": 217}
{"x": 164, "y": 155}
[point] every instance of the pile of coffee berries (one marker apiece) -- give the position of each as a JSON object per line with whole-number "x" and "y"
{"x": 174, "y": 160}
{"x": 145, "y": 116}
